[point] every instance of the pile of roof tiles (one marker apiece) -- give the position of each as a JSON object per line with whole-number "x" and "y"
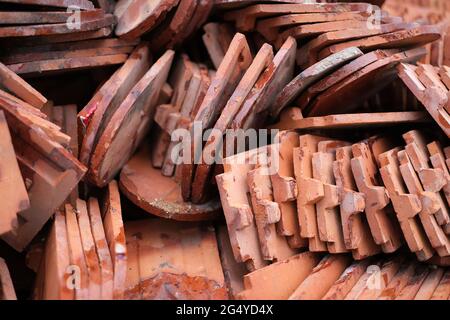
{"x": 349, "y": 200}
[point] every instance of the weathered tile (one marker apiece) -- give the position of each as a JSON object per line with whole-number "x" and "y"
{"x": 279, "y": 280}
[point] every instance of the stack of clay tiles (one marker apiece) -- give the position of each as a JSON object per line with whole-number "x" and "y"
{"x": 120, "y": 114}
{"x": 167, "y": 23}
{"x": 430, "y": 85}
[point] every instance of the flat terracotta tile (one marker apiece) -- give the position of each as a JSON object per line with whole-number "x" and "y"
{"x": 267, "y": 213}
{"x": 76, "y": 253}
{"x": 200, "y": 16}
{"x": 292, "y": 120}
{"x": 20, "y": 88}
{"x": 30, "y": 59}
{"x": 254, "y": 110}
{"x": 235, "y": 4}
{"x": 236, "y": 60}
{"x": 434, "y": 100}
{"x": 55, "y": 263}
{"x": 442, "y": 291}
{"x": 253, "y": 12}
{"x": 192, "y": 94}
{"x": 437, "y": 159}
{"x": 133, "y": 288}
{"x": 429, "y": 76}
{"x": 279, "y": 280}
{"x": 28, "y": 52}
{"x": 339, "y": 75}
{"x": 416, "y": 36}
{"x": 166, "y": 35}
{"x": 307, "y": 55}
{"x": 166, "y": 117}
{"x": 49, "y": 67}
{"x": 17, "y": 103}
{"x": 430, "y": 206}
{"x": 66, "y": 118}
{"x": 206, "y": 76}
{"x": 398, "y": 282}
{"x": 355, "y": 228}
{"x": 381, "y": 71}
{"x": 82, "y": 4}
{"x": 58, "y": 38}
{"x": 211, "y": 39}
{"x": 85, "y": 24}
{"x": 313, "y": 191}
